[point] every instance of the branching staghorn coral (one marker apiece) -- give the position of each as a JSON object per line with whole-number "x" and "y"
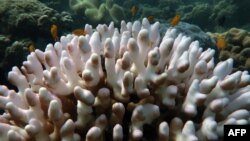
{"x": 114, "y": 84}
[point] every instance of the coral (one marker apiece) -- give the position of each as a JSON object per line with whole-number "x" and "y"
{"x": 238, "y": 43}
{"x": 27, "y": 17}
{"x": 17, "y": 49}
{"x": 236, "y": 35}
{"x": 96, "y": 11}
{"x": 22, "y": 20}
{"x": 198, "y": 15}
{"x": 127, "y": 84}
{"x": 246, "y": 41}
{"x": 224, "y": 8}
{"x": 220, "y": 14}
{"x": 192, "y": 31}
{"x": 4, "y": 41}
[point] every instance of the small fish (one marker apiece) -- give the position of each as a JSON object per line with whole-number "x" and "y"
{"x": 79, "y": 32}
{"x": 54, "y": 32}
{"x": 31, "y": 47}
{"x": 150, "y": 18}
{"x": 221, "y": 42}
{"x": 176, "y": 19}
{"x": 133, "y": 10}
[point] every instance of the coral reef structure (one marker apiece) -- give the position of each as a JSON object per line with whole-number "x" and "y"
{"x": 198, "y": 15}
{"x": 220, "y": 14}
{"x": 238, "y": 47}
{"x": 121, "y": 85}
{"x": 192, "y": 31}
{"x": 17, "y": 49}
{"x": 25, "y": 21}
{"x": 4, "y": 41}
{"x": 97, "y": 11}
{"x": 29, "y": 17}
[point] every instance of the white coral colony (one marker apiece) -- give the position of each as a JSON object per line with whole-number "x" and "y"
{"x": 114, "y": 84}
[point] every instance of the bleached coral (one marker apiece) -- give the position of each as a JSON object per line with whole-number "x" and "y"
{"x": 111, "y": 84}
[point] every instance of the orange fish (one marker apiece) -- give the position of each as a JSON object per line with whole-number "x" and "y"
{"x": 31, "y": 47}
{"x": 221, "y": 42}
{"x": 151, "y": 18}
{"x": 133, "y": 10}
{"x": 175, "y": 20}
{"x": 79, "y": 32}
{"x": 54, "y": 32}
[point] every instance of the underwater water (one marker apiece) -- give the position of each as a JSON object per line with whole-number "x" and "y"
{"x": 27, "y": 25}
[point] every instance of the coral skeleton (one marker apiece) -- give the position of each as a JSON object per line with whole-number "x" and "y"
{"x": 123, "y": 84}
